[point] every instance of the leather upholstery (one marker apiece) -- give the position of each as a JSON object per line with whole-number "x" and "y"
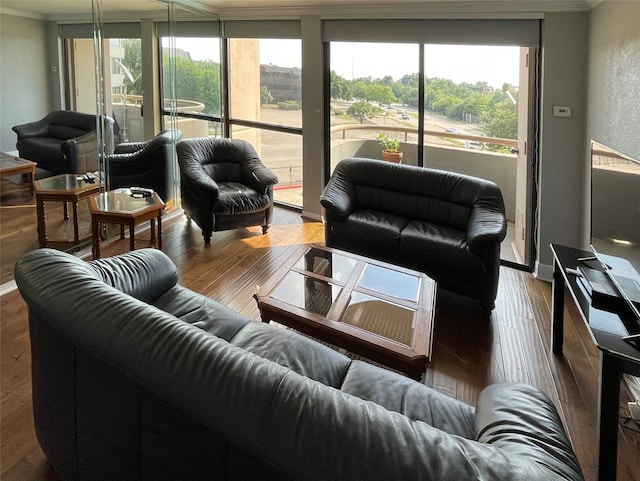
{"x": 224, "y": 184}
{"x": 145, "y": 164}
{"x": 444, "y": 224}
{"x": 64, "y": 142}
{"x": 138, "y": 378}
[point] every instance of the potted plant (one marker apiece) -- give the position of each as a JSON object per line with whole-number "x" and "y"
{"x": 390, "y": 149}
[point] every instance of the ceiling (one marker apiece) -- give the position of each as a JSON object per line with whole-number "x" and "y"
{"x": 58, "y": 10}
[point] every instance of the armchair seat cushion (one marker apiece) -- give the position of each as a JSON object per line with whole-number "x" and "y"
{"x": 235, "y": 198}
{"x": 42, "y": 148}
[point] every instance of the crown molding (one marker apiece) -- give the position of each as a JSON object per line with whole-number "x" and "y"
{"x": 434, "y": 9}
{"x": 21, "y": 13}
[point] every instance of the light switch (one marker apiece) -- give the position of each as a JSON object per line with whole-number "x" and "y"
{"x": 561, "y": 111}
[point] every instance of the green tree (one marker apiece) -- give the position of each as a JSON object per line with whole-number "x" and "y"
{"x": 133, "y": 61}
{"x": 265, "y": 96}
{"x": 362, "y": 111}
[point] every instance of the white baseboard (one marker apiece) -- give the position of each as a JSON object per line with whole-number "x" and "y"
{"x": 544, "y": 272}
{"x": 312, "y": 216}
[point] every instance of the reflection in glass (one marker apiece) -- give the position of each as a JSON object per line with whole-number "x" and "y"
{"x": 390, "y": 282}
{"x": 334, "y": 266}
{"x": 383, "y": 318}
{"x": 307, "y": 293}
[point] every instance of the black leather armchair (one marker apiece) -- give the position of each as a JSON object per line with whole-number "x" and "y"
{"x": 145, "y": 164}
{"x": 224, "y": 184}
{"x": 64, "y": 142}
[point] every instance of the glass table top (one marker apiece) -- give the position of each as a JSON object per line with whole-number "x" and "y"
{"x": 392, "y": 283}
{"x": 302, "y": 291}
{"x": 121, "y": 200}
{"x": 65, "y": 183}
{"x": 7, "y": 161}
{"x": 328, "y": 264}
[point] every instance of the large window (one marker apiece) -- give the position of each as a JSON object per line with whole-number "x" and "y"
{"x": 370, "y": 98}
{"x": 265, "y": 107}
{"x": 451, "y": 107}
{"x": 197, "y": 87}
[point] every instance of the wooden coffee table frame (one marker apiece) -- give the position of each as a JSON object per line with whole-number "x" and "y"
{"x": 411, "y": 360}
{"x": 21, "y": 167}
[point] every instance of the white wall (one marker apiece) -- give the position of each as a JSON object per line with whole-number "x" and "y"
{"x": 613, "y": 115}
{"x": 25, "y": 75}
{"x": 563, "y": 144}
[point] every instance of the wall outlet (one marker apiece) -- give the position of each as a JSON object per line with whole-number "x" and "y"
{"x": 561, "y": 111}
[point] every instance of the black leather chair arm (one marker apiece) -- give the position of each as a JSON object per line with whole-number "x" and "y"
{"x": 194, "y": 175}
{"x": 487, "y": 225}
{"x": 338, "y": 196}
{"x": 520, "y": 421}
{"x": 254, "y": 173}
{"x": 264, "y": 177}
{"x": 39, "y": 128}
{"x": 129, "y": 147}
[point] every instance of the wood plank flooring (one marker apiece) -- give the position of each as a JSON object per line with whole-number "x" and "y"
{"x": 470, "y": 351}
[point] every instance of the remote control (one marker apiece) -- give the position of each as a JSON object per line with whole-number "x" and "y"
{"x": 141, "y": 191}
{"x": 89, "y": 177}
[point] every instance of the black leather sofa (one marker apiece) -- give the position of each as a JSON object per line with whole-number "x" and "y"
{"x": 224, "y": 184}
{"x": 64, "y": 142}
{"x": 444, "y": 224}
{"x": 145, "y": 164}
{"x": 138, "y": 378}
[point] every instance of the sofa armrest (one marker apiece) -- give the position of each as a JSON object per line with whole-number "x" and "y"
{"x": 263, "y": 177}
{"x": 338, "y": 196}
{"x": 487, "y": 226}
{"x": 521, "y": 420}
{"x": 39, "y": 128}
{"x": 129, "y": 147}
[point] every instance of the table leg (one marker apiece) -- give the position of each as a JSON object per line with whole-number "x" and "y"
{"x": 132, "y": 235}
{"x": 42, "y": 229}
{"x": 608, "y": 407}
{"x": 160, "y": 232}
{"x": 76, "y": 236}
{"x": 153, "y": 232}
{"x": 557, "y": 311}
{"x": 95, "y": 233}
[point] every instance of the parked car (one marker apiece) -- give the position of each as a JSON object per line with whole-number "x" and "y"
{"x": 404, "y": 116}
{"x": 472, "y": 144}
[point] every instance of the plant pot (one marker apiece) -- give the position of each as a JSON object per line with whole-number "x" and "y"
{"x": 395, "y": 157}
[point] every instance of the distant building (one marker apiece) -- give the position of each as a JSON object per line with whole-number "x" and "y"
{"x": 284, "y": 83}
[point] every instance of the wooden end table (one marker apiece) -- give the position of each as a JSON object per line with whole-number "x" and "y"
{"x": 121, "y": 207}
{"x": 12, "y": 165}
{"x": 370, "y": 308}
{"x": 65, "y": 188}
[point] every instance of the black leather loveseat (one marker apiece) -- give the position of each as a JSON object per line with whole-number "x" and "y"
{"x": 138, "y": 378}
{"x": 64, "y": 142}
{"x": 444, "y": 224}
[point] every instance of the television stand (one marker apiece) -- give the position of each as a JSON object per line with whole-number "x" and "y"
{"x": 608, "y": 330}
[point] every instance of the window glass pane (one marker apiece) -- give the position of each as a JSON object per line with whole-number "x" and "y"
{"x": 126, "y": 89}
{"x": 282, "y": 153}
{"x": 198, "y": 91}
{"x": 265, "y": 81}
{"x": 370, "y": 97}
{"x": 471, "y": 91}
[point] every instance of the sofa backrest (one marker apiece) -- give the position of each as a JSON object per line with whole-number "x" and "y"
{"x": 418, "y": 193}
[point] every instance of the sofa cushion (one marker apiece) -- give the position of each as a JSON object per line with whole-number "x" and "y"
{"x": 372, "y": 228}
{"x": 439, "y": 251}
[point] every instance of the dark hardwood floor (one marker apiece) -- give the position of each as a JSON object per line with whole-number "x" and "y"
{"x": 470, "y": 351}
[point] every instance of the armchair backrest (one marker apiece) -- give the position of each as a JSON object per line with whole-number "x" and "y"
{"x": 224, "y": 160}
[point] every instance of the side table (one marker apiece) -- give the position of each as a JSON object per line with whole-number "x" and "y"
{"x": 63, "y": 188}
{"x": 12, "y": 165}
{"x": 616, "y": 356}
{"x": 120, "y": 207}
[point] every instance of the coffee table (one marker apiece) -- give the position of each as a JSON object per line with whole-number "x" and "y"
{"x": 120, "y": 206}
{"x": 63, "y": 188}
{"x": 370, "y": 308}
{"x": 12, "y": 165}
